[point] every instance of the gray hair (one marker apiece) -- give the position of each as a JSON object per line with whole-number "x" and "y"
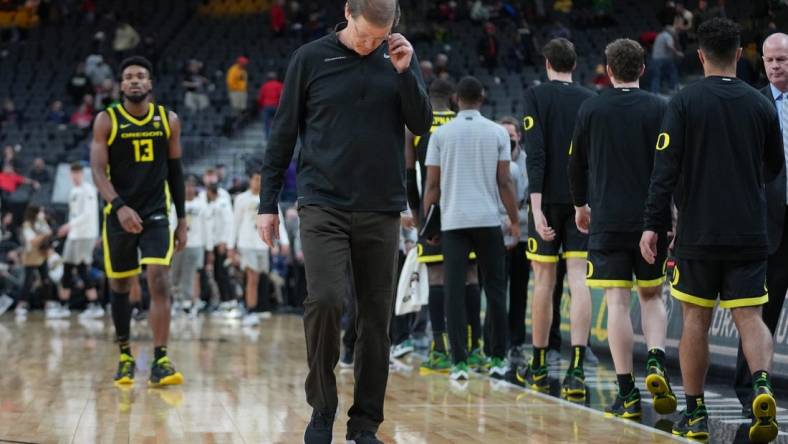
{"x": 377, "y": 12}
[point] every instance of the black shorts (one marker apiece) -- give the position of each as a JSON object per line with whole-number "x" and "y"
{"x": 614, "y": 267}
{"x": 433, "y": 254}
{"x": 738, "y": 283}
{"x": 125, "y": 253}
{"x": 568, "y": 239}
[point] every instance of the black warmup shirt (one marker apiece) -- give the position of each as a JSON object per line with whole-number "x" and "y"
{"x": 612, "y": 158}
{"x": 550, "y": 115}
{"x": 349, "y": 113}
{"x": 439, "y": 118}
{"x": 720, "y": 142}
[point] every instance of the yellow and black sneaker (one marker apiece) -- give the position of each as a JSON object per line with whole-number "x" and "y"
{"x": 658, "y": 385}
{"x": 574, "y": 386}
{"x": 125, "y": 374}
{"x": 764, "y": 409}
{"x": 693, "y": 425}
{"x": 535, "y": 378}
{"x": 163, "y": 373}
{"x": 627, "y": 406}
{"x": 437, "y": 363}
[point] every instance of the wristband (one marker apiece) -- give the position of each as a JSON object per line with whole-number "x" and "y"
{"x": 117, "y": 203}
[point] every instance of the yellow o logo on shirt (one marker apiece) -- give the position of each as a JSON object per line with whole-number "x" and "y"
{"x": 528, "y": 122}
{"x": 590, "y": 269}
{"x": 663, "y": 141}
{"x": 532, "y": 245}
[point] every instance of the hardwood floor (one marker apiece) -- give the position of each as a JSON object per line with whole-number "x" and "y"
{"x": 246, "y": 386}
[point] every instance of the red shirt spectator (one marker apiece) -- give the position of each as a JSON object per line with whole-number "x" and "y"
{"x": 278, "y": 18}
{"x": 270, "y": 93}
{"x": 10, "y": 181}
{"x": 82, "y": 117}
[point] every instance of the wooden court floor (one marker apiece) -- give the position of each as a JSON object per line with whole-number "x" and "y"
{"x": 246, "y": 386}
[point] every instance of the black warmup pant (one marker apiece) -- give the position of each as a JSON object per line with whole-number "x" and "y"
{"x": 519, "y": 272}
{"x": 554, "y": 342}
{"x": 367, "y": 242}
{"x": 488, "y": 244}
{"x": 777, "y": 282}
{"x": 221, "y": 276}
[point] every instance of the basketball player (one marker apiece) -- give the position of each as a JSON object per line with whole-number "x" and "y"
{"x": 81, "y": 233}
{"x": 720, "y": 142}
{"x": 550, "y": 114}
{"x": 254, "y": 254}
{"x": 136, "y": 161}
{"x": 609, "y": 170}
{"x": 441, "y": 94}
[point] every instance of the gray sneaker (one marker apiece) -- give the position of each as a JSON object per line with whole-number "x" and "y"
{"x": 590, "y": 357}
{"x": 553, "y": 358}
{"x": 5, "y": 303}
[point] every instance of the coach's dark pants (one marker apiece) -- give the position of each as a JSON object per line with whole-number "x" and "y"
{"x": 777, "y": 282}
{"x": 488, "y": 244}
{"x": 332, "y": 239}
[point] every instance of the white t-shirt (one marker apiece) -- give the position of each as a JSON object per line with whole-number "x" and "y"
{"x": 199, "y": 223}
{"x": 83, "y": 212}
{"x": 222, "y": 225}
{"x": 246, "y": 206}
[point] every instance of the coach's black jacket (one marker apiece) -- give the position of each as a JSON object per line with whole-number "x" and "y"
{"x": 349, "y": 114}
{"x": 720, "y": 144}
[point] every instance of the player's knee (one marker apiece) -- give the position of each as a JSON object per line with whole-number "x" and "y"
{"x": 158, "y": 280}
{"x": 122, "y": 285}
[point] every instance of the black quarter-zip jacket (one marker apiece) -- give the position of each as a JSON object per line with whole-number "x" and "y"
{"x": 613, "y": 156}
{"x": 720, "y": 142}
{"x": 349, "y": 113}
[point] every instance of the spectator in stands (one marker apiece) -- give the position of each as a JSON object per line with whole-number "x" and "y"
{"x": 268, "y": 99}
{"x": 441, "y": 66}
{"x": 704, "y": 13}
{"x": 559, "y": 31}
{"x": 9, "y": 115}
{"x": 10, "y": 180}
{"x": 197, "y": 86}
{"x": 683, "y": 23}
{"x": 9, "y": 157}
{"x": 56, "y": 115}
{"x": 237, "y": 84}
{"x": 107, "y": 95}
{"x": 79, "y": 85}
{"x": 83, "y": 116}
{"x": 126, "y": 39}
{"x": 663, "y": 59}
{"x": 97, "y": 69}
{"x": 601, "y": 79}
{"x": 479, "y": 11}
{"x": 427, "y": 72}
{"x": 278, "y": 20}
{"x": 488, "y": 48}
{"x": 39, "y": 173}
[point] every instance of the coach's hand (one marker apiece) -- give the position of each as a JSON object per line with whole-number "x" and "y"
{"x": 268, "y": 228}
{"x": 180, "y": 235}
{"x": 514, "y": 232}
{"x": 545, "y": 231}
{"x": 583, "y": 218}
{"x": 129, "y": 220}
{"x": 648, "y": 246}
{"x": 400, "y": 51}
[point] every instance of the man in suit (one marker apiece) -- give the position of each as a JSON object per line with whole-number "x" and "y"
{"x": 775, "y": 60}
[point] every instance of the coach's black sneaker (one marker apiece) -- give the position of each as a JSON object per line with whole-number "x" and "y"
{"x": 627, "y": 407}
{"x": 693, "y": 425}
{"x": 163, "y": 373}
{"x": 574, "y": 386}
{"x": 658, "y": 385}
{"x": 320, "y": 429}
{"x": 764, "y": 410}
{"x": 125, "y": 374}
{"x": 365, "y": 437}
{"x": 534, "y": 378}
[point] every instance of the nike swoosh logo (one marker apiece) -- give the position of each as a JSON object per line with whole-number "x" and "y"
{"x": 692, "y": 422}
{"x": 125, "y": 125}
{"x": 539, "y": 377}
{"x": 628, "y": 404}
{"x": 332, "y": 59}
{"x": 386, "y": 56}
